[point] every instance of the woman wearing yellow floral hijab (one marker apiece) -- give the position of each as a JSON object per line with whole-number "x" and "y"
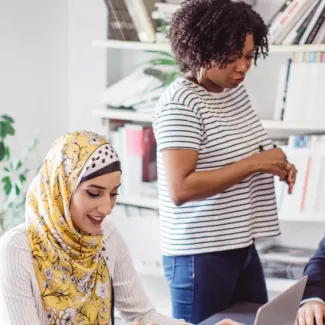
{"x": 56, "y": 268}
{"x": 69, "y": 266}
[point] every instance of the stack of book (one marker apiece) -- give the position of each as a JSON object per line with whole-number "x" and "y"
{"x": 300, "y": 94}
{"x": 142, "y": 20}
{"x": 130, "y": 20}
{"x": 136, "y": 147}
{"x": 298, "y": 22}
{"x": 307, "y": 200}
{"x": 138, "y": 91}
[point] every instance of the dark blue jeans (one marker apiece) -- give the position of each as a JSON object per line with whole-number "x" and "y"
{"x": 204, "y": 284}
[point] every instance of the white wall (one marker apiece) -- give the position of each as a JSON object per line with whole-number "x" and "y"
{"x": 34, "y": 68}
{"x": 87, "y": 64}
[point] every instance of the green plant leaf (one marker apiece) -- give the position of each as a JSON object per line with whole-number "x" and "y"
{"x": 171, "y": 77}
{"x": 7, "y": 118}
{"x": 19, "y": 165}
{"x": 7, "y": 153}
{"x": 7, "y": 185}
{"x": 162, "y": 61}
{"x": 3, "y": 132}
{"x": 6, "y": 169}
{"x": 2, "y": 150}
{"x": 22, "y": 178}
{"x": 10, "y": 130}
{"x": 163, "y": 27}
{"x": 17, "y": 189}
{"x": 162, "y": 53}
{"x": 6, "y": 129}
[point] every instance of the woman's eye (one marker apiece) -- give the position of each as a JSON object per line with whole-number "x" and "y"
{"x": 114, "y": 194}
{"x": 231, "y": 60}
{"x": 92, "y": 194}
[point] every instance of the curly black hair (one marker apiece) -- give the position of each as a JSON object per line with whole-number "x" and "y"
{"x": 205, "y": 33}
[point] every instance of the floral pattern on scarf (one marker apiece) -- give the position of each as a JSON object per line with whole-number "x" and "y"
{"x": 71, "y": 272}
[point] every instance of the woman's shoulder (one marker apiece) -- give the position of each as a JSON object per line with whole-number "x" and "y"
{"x": 16, "y": 237}
{"x": 14, "y": 245}
{"x": 180, "y": 92}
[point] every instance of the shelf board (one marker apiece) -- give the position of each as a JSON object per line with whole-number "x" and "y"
{"x": 297, "y": 48}
{"x": 301, "y": 218}
{"x": 138, "y": 201}
{"x": 128, "y": 45}
{"x": 123, "y": 114}
{"x": 293, "y": 126}
{"x": 127, "y": 115}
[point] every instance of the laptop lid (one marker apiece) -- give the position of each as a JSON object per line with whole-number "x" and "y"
{"x": 283, "y": 308}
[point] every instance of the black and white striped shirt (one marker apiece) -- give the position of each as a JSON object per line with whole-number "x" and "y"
{"x": 223, "y": 128}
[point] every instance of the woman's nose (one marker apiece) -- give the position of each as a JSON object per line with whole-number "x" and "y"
{"x": 106, "y": 208}
{"x": 242, "y": 66}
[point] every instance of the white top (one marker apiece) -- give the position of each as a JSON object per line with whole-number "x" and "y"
{"x": 223, "y": 128}
{"x": 20, "y": 298}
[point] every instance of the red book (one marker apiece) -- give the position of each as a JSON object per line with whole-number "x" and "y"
{"x": 149, "y": 160}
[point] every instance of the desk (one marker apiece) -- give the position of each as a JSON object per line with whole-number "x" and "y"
{"x": 242, "y": 312}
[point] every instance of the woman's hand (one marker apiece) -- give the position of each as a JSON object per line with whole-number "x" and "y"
{"x": 291, "y": 178}
{"x": 272, "y": 161}
{"x": 228, "y": 321}
{"x": 309, "y": 311}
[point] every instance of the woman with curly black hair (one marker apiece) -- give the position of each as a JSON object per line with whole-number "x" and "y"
{"x": 216, "y": 163}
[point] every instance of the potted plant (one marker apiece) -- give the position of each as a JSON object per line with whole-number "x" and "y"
{"x": 13, "y": 176}
{"x": 162, "y": 66}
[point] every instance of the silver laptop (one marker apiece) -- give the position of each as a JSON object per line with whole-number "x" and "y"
{"x": 281, "y": 310}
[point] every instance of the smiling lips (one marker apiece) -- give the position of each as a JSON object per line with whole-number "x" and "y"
{"x": 95, "y": 219}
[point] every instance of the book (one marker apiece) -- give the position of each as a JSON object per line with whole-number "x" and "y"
{"x": 120, "y": 23}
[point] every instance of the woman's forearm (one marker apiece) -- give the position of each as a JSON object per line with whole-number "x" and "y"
{"x": 203, "y": 184}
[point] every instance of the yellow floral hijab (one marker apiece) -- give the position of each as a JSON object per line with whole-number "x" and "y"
{"x": 71, "y": 272}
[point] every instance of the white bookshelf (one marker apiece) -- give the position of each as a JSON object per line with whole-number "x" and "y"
{"x": 128, "y": 115}
{"x": 123, "y": 114}
{"x": 152, "y": 203}
{"x": 128, "y": 45}
{"x": 301, "y": 217}
{"x": 138, "y": 201}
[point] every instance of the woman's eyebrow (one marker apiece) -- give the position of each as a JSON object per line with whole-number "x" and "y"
{"x": 97, "y": 186}
{"x": 115, "y": 188}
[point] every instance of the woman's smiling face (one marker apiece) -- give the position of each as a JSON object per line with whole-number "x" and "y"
{"x": 93, "y": 201}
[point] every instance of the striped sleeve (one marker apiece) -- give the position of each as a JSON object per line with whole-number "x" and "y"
{"x": 17, "y": 302}
{"x": 177, "y": 126}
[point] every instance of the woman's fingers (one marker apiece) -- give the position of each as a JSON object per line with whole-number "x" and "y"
{"x": 228, "y": 321}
